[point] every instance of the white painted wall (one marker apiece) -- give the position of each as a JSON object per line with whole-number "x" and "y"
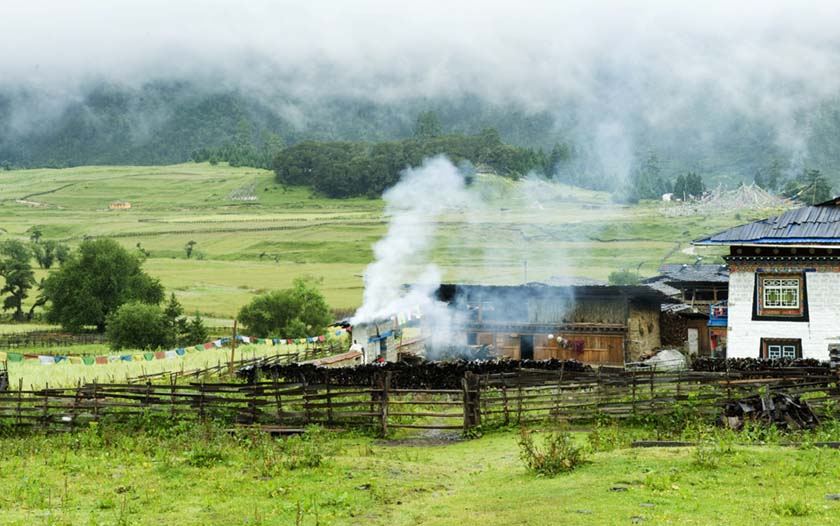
{"x": 744, "y": 334}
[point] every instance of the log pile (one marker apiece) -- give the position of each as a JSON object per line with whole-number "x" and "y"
{"x": 785, "y": 411}
{"x": 427, "y": 375}
{"x": 673, "y": 330}
{"x": 720, "y": 365}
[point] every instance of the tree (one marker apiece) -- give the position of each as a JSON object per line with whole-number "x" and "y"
{"x": 427, "y": 125}
{"x": 48, "y": 252}
{"x": 95, "y": 281}
{"x": 680, "y": 191}
{"x": 17, "y": 275}
{"x": 136, "y": 325}
{"x": 623, "y": 277}
{"x": 176, "y": 323}
{"x": 774, "y": 175}
{"x": 188, "y": 248}
{"x": 35, "y": 234}
{"x": 196, "y": 331}
{"x": 815, "y": 188}
{"x": 291, "y": 313}
{"x": 694, "y": 185}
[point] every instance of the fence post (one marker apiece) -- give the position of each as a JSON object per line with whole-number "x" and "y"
{"x": 20, "y": 401}
{"x": 386, "y": 388}
{"x": 329, "y": 399}
{"x": 277, "y": 398}
{"x": 95, "y": 402}
{"x": 172, "y": 397}
{"x": 202, "y": 416}
{"x": 465, "y": 393}
{"x": 505, "y": 402}
{"x": 45, "y": 409}
{"x": 306, "y": 414}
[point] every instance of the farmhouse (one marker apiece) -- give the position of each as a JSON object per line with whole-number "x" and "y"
{"x": 784, "y": 285}
{"x": 598, "y": 324}
{"x": 698, "y": 322}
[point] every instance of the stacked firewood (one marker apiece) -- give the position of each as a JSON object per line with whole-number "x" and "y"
{"x": 427, "y": 375}
{"x": 704, "y": 363}
{"x": 779, "y": 409}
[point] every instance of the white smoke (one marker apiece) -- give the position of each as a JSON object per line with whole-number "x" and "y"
{"x": 414, "y": 207}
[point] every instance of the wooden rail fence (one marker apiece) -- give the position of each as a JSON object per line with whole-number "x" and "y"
{"x": 511, "y": 398}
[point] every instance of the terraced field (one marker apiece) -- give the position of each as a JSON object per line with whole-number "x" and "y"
{"x": 252, "y": 234}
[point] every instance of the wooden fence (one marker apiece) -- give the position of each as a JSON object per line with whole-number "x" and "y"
{"x": 510, "y": 398}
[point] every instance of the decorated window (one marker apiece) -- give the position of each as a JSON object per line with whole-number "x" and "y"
{"x": 774, "y": 349}
{"x": 780, "y": 297}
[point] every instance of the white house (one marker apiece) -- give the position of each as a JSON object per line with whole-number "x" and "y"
{"x": 784, "y": 284}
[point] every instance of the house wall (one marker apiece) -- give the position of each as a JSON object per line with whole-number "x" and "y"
{"x": 823, "y": 296}
{"x": 642, "y": 331}
{"x": 597, "y": 348}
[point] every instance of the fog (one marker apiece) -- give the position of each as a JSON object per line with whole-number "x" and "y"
{"x": 606, "y": 67}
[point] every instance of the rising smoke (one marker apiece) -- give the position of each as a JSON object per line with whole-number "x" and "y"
{"x": 402, "y": 257}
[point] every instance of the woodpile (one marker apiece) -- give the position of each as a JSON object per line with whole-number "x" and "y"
{"x": 779, "y": 409}
{"x": 673, "y": 330}
{"x": 426, "y": 375}
{"x": 704, "y": 363}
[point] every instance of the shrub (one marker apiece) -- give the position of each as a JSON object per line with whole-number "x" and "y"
{"x": 292, "y": 313}
{"x": 558, "y": 454}
{"x": 138, "y": 326}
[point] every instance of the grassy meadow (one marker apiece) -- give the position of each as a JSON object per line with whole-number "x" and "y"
{"x": 245, "y": 247}
{"x": 193, "y": 476}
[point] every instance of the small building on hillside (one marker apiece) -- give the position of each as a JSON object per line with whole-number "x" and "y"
{"x": 784, "y": 284}
{"x": 119, "y": 205}
{"x": 597, "y": 324}
{"x": 698, "y": 322}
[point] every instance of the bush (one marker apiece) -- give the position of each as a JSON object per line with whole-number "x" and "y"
{"x": 558, "y": 454}
{"x": 297, "y": 312}
{"x": 138, "y": 326}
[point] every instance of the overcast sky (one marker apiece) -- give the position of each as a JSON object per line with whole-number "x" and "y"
{"x": 620, "y": 60}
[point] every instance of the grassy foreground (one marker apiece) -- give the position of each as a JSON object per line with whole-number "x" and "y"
{"x": 203, "y": 476}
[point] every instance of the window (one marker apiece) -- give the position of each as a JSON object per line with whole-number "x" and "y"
{"x": 780, "y": 297}
{"x": 774, "y": 349}
{"x": 780, "y": 293}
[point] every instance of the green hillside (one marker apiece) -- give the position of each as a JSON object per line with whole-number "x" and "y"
{"x": 246, "y": 246}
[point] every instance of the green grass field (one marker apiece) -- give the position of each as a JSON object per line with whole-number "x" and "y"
{"x": 245, "y": 247}
{"x": 194, "y": 476}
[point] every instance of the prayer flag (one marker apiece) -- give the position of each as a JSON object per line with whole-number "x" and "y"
{"x": 170, "y": 355}
{"x": 149, "y": 356}
{"x": 159, "y": 355}
{"x": 180, "y": 352}
{"x": 246, "y": 339}
{"x": 75, "y": 359}
{"x": 322, "y": 338}
{"x": 14, "y": 357}
{"x": 60, "y": 359}
{"x": 126, "y": 358}
{"x": 88, "y": 360}
{"x": 2, "y": 356}
{"x": 208, "y": 345}
{"x": 101, "y": 360}
{"x": 46, "y": 360}
{"x": 199, "y": 347}
{"x": 217, "y": 343}
{"x": 138, "y": 357}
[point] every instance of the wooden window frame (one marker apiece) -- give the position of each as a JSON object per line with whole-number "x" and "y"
{"x": 767, "y": 343}
{"x": 760, "y": 312}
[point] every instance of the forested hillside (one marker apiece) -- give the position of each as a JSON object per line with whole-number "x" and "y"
{"x": 170, "y": 122}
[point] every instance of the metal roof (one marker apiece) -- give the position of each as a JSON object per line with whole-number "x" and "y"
{"x": 818, "y": 224}
{"x": 642, "y": 292}
{"x": 676, "y": 273}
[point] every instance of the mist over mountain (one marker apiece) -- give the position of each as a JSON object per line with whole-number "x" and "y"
{"x": 723, "y": 90}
